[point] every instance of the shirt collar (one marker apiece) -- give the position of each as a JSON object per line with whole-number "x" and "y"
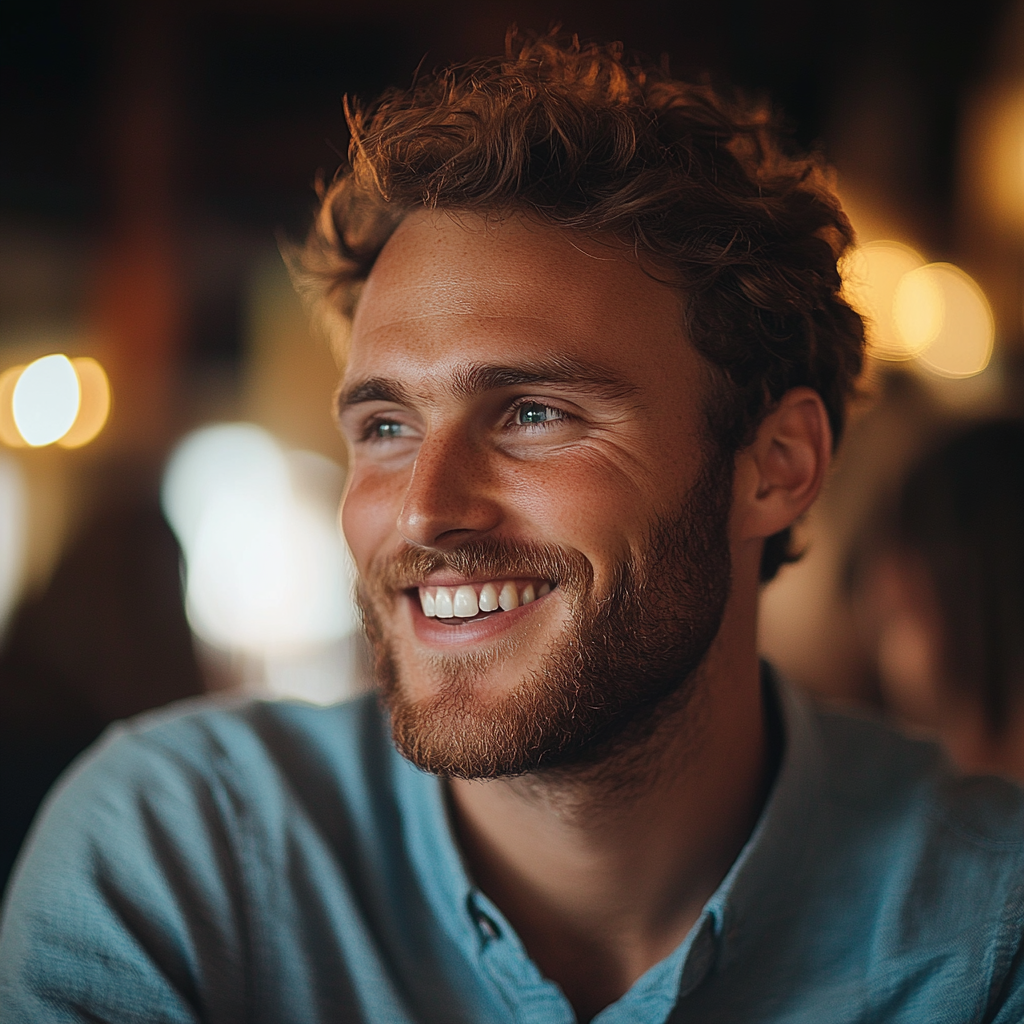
{"x": 778, "y": 847}
{"x": 781, "y": 843}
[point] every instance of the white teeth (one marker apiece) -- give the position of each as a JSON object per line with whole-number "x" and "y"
{"x": 443, "y": 607}
{"x": 465, "y": 605}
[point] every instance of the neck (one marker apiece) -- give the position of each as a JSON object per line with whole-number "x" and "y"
{"x": 602, "y": 871}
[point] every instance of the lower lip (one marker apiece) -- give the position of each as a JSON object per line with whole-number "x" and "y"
{"x": 467, "y": 631}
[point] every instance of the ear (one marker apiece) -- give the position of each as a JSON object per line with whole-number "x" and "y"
{"x": 779, "y": 475}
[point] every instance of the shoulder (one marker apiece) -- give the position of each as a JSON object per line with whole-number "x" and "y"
{"x": 938, "y": 859}
{"x": 870, "y": 764}
{"x": 902, "y": 881}
{"x": 245, "y": 728}
{"x": 205, "y": 736}
{"x": 143, "y": 860}
{"x": 216, "y": 761}
{"x": 195, "y": 783}
{"x": 239, "y": 726}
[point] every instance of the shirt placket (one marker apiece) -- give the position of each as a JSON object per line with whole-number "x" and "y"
{"x": 531, "y": 998}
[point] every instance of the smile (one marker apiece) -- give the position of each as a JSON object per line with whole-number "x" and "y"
{"x": 472, "y": 599}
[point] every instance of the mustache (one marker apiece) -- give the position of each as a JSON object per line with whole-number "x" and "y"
{"x": 487, "y": 559}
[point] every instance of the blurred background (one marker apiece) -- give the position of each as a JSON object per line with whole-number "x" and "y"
{"x": 168, "y": 466}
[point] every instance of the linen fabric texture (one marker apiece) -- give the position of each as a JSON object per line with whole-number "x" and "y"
{"x": 279, "y": 862}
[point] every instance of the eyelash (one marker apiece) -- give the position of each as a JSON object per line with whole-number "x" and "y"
{"x": 369, "y": 430}
{"x": 372, "y": 426}
{"x": 544, "y": 425}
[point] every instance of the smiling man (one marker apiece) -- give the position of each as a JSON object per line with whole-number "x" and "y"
{"x": 535, "y": 502}
{"x": 597, "y": 359}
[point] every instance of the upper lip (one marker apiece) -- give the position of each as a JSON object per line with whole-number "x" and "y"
{"x": 451, "y": 579}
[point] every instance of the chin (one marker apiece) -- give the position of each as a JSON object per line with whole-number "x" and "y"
{"x": 566, "y": 679}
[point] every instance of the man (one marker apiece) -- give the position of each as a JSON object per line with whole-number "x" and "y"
{"x": 596, "y": 363}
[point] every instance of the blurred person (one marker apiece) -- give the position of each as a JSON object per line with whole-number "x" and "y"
{"x": 597, "y": 361}
{"x": 105, "y": 639}
{"x": 942, "y": 590}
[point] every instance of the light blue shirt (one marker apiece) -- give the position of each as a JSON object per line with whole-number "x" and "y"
{"x": 279, "y": 863}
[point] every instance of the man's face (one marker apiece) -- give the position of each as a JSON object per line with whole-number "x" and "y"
{"x": 539, "y": 522}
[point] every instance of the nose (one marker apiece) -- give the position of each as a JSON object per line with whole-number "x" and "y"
{"x": 450, "y": 496}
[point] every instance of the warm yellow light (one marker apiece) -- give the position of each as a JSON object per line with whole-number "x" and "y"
{"x": 918, "y": 309}
{"x": 999, "y": 144}
{"x": 95, "y": 404}
{"x": 43, "y": 405}
{"x": 963, "y": 345}
{"x": 46, "y": 400}
{"x": 871, "y": 276}
{"x": 9, "y": 434}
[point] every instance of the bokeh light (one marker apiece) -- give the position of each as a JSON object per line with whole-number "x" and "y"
{"x": 999, "y": 142}
{"x": 871, "y": 276}
{"x": 933, "y": 313}
{"x": 963, "y": 345}
{"x": 918, "y": 309}
{"x": 46, "y": 400}
{"x": 94, "y": 407}
{"x": 13, "y": 518}
{"x": 54, "y": 399}
{"x": 9, "y": 433}
{"x": 267, "y": 572}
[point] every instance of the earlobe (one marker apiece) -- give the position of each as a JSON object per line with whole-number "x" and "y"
{"x": 780, "y": 474}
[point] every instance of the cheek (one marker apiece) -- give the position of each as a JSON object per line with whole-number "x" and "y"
{"x": 586, "y": 507}
{"x": 367, "y": 516}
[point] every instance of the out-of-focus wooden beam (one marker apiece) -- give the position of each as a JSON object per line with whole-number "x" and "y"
{"x": 136, "y": 305}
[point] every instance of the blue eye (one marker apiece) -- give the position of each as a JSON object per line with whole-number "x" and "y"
{"x": 534, "y": 412}
{"x": 385, "y": 430}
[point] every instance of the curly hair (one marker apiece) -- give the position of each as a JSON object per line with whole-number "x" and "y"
{"x": 699, "y": 185}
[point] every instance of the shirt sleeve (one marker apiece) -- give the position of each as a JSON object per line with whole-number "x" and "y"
{"x": 121, "y": 908}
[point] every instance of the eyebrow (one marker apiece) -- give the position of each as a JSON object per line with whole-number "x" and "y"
{"x": 476, "y": 379}
{"x": 372, "y": 389}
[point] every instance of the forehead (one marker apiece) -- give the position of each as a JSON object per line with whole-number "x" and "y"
{"x": 448, "y": 289}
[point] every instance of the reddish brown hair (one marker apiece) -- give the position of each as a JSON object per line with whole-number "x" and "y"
{"x": 699, "y": 186}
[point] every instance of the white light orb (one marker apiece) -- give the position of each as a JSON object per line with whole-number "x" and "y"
{"x": 268, "y": 580}
{"x": 229, "y": 459}
{"x": 46, "y": 399}
{"x": 268, "y": 573}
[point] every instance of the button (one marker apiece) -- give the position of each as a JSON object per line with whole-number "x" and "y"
{"x": 487, "y": 926}
{"x": 484, "y": 922}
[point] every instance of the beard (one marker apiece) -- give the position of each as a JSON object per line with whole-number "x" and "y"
{"x": 625, "y": 657}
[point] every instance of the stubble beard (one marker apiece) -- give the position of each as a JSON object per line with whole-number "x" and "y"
{"x": 602, "y": 688}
